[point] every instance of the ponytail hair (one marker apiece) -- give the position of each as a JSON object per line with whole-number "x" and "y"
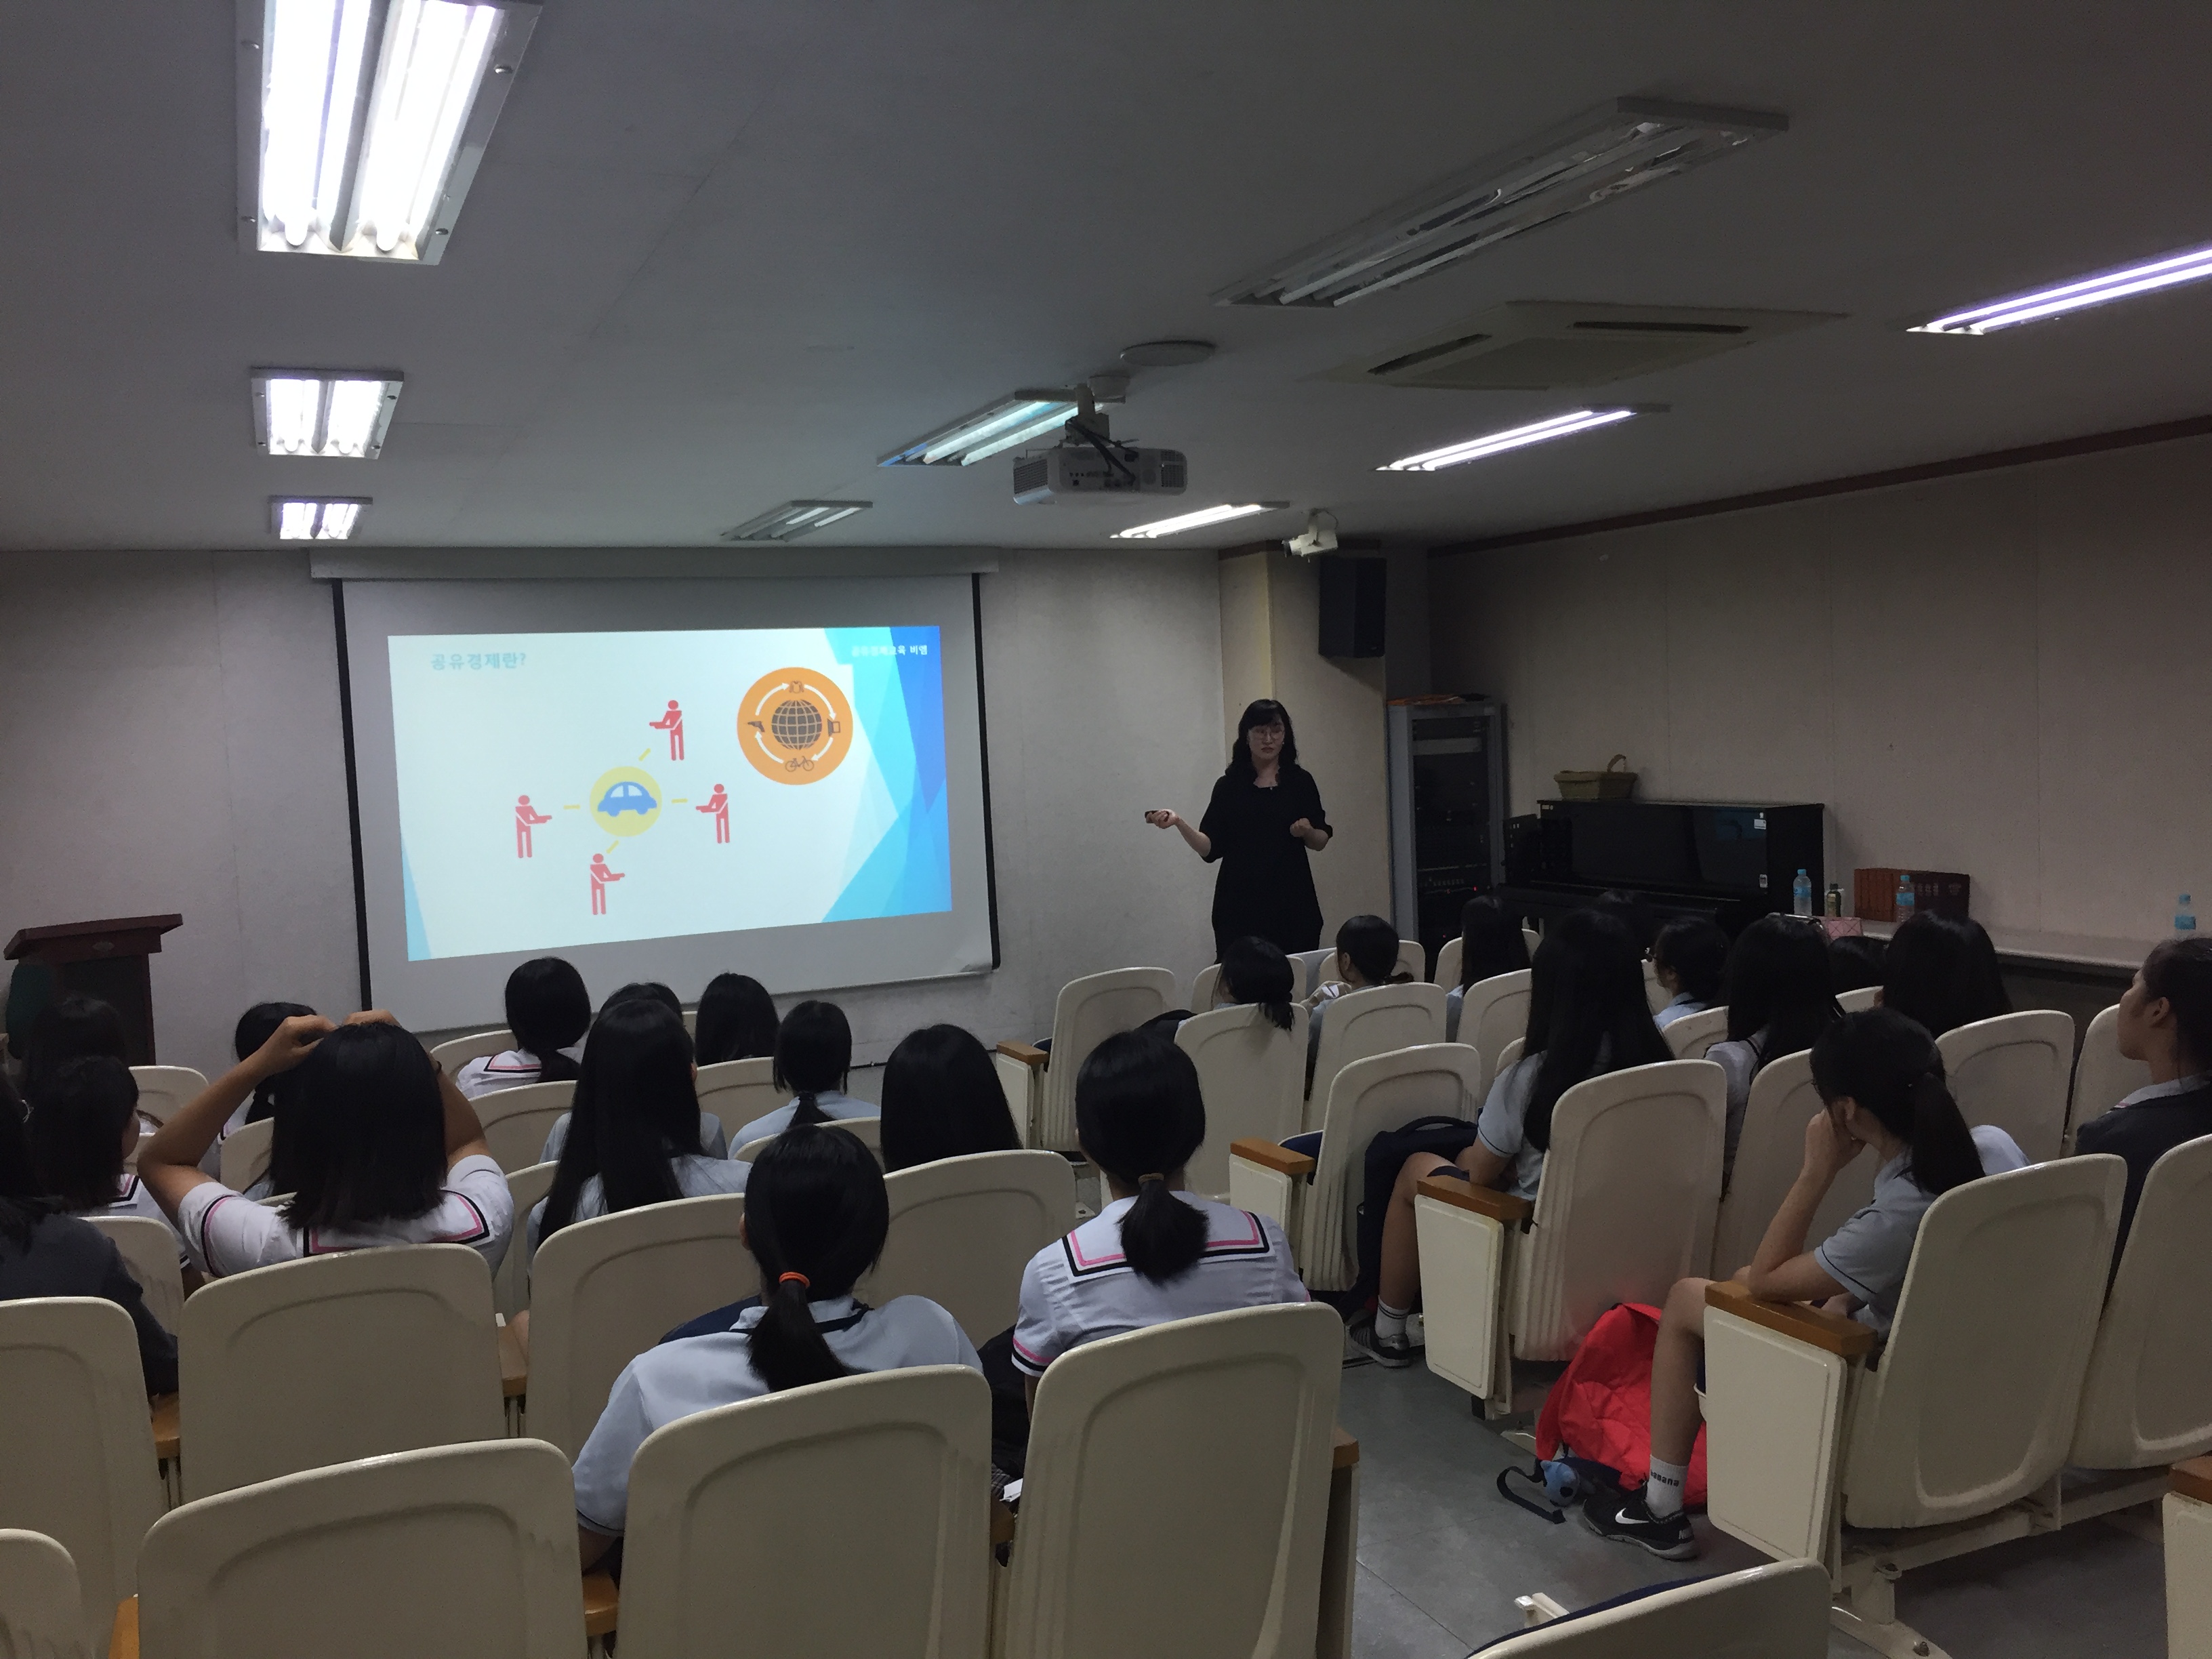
{"x": 1255, "y": 971}
{"x": 548, "y": 1009}
{"x": 1371, "y": 944}
{"x": 1139, "y": 1117}
{"x": 255, "y": 1027}
{"x": 1891, "y": 1067}
{"x": 815, "y": 1218}
{"x": 813, "y": 1052}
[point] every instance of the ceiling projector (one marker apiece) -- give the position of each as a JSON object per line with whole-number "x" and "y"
{"x": 1088, "y": 465}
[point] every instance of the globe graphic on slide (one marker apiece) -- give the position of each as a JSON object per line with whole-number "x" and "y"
{"x": 796, "y": 724}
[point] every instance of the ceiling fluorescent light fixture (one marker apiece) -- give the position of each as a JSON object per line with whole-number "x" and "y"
{"x": 316, "y": 519}
{"x": 322, "y": 411}
{"x": 2168, "y": 271}
{"x": 1198, "y": 520}
{"x": 793, "y": 520}
{"x": 1581, "y": 163}
{"x": 361, "y": 122}
{"x": 1011, "y": 420}
{"x": 1518, "y": 437}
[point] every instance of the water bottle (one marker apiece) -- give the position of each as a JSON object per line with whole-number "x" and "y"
{"x": 1904, "y": 901}
{"x": 1835, "y": 900}
{"x": 1801, "y": 896}
{"x": 2184, "y": 919}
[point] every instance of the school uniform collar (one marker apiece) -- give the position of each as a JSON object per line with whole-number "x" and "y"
{"x": 1685, "y": 999}
{"x": 2180, "y": 1086}
{"x": 831, "y": 1313}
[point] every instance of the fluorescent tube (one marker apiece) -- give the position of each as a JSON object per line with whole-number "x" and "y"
{"x": 1198, "y": 520}
{"x": 333, "y": 413}
{"x": 1014, "y": 419}
{"x": 2168, "y": 271}
{"x": 1518, "y": 437}
{"x": 300, "y": 519}
{"x": 793, "y": 520}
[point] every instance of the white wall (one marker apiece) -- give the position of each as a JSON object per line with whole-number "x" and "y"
{"x": 2001, "y": 673}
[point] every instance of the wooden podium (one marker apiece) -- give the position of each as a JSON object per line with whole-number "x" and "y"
{"x": 103, "y": 959}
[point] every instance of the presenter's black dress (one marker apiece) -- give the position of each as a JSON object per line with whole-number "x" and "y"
{"x": 1265, "y": 885}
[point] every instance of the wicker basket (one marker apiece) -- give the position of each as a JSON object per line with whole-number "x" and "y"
{"x": 1611, "y": 784}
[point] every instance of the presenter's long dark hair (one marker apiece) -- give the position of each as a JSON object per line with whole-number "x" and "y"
{"x": 813, "y": 1052}
{"x": 1585, "y": 992}
{"x": 1264, "y": 712}
{"x": 633, "y": 1110}
{"x": 942, "y": 1099}
{"x": 1255, "y": 971}
{"x": 1891, "y": 1067}
{"x": 548, "y": 1009}
{"x": 255, "y": 1027}
{"x": 815, "y": 1218}
{"x": 1139, "y": 1117}
{"x": 737, "y": 1020}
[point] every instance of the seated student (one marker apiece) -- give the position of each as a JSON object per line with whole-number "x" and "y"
{"x": 549, "y": 1010}
{"x": 45, "y": 1252}
{"x": 636, "y": 1134}
{"x": 1882, "y": 1086}
{"x": 1491, "y": 944}
{"x": 379, "y": 1148}
{"x": 712, "y": 1142}
{"x": 1689, "y": 958}
{"x": 1778, "y": 1001}
{"x": 1587, "y": 1015}
{"x": 69, "y": 1028}
{"x": 1255, "y": 973}
{"x": 1942, "y": 973}
{"x": 813, "y": 1053}
{"x": 1633, "y": 911}
{"x": 255, "y": 1027}
{"x": 1855, "y": 962}
{"x": 816, "y": 1217}
{"x": 942, "y": 1099}
{"x": 82, "y": 1129}
{"x": 1156, "y": 1252}
{"x": 652, "y": 988}
{"x": 1367, "y": 955}
{"x": 737, "y": 1020}
{"x": 2166, "y": 1021}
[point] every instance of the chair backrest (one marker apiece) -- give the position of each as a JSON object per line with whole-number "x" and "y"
{"x": 747, "y": 1522}
{"x": 2012, "y": 1071}
{"x": 964, "y": 1228}
{"x": 868, "y": 1131}
{"x": 602, "y": 1291}
{"x": 1379, "y": 1020}
{"x": 41, "y": 1604}
{"x": 1975, "y": 1399}
{"x": 2148, "y": 1397}
{"x": 1437, "y": 1079}
{"x": 452, "y": 1550}
{"x": 1493, "y": 1012}
{"x": 739, "y": 1090}
{"x": 149, "y": 1249}
{"x": 1510, "y": 1056}
{"x": 1450, "y": 955}
{"x": 79, "y": 1465}
{"x": 1206, "y": 985}
{"x": 1769, "y": 1153}
{"x": 1090, "y": 1010}
{"x": 510, "y": 1285}
{"x": 336, "y": 1357}
{"x": 1626, "y": 1203}
{"x": 163, "y": 1089}
{"x": 516, "y": 1122}
{"x": 1191, "y": 1459}
{"x": 1532, "y": 937}
{"x": 1252, "y": 1074}
{"x": 1859, "y": 1001}
{"x": 1656, "y": 995}
{"x": 1692, "y": 1035}
{"x": 1412, "y": 960}
{"x": 1309, "y": 968}
{"x": 2103, "y": 1076}
{"x": 457, "y": 1052}
{"x": 245, "y": 1154}
{"x": 1779, "y": 1611}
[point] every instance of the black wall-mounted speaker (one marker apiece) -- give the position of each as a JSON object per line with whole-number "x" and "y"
{"x": 1352, "y": 595}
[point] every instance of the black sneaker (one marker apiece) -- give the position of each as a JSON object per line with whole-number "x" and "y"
{"x": 1395, "y": 1352}
{"x": 1623, "y": 1518}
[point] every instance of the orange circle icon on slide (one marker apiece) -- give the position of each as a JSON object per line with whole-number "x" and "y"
{"x": 795, "y": 726}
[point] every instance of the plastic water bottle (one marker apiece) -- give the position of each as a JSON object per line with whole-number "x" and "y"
{"x": 1801, "y": 896}
{"x": 2184, "y": 919}
{"x": 1904, "y": 902}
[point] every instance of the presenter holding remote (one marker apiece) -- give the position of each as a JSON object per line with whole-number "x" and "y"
{"x": 1263, "y": 821}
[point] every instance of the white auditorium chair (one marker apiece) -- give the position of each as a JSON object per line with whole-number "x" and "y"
{"x": 244, "y": 1153}
{"x": 162, "y": 1092}
{"x": 1691, "y": 1035}
{"x": 1769, "y": 1153}
{"x": 517, "y": 1121}
{"x": 452, "y": 1550}
{"x": 1413, "y": 961}
{"x": 86, "y": 1476}
{"x": 1859, "y": 1001}
{"x": 1450, "y": 955}
{"x": 2187, "y": 1514}
{"x": 41, "y": 1604}
{"x": 334, "y": 1358}
{"x": 602, "y": 1291}
{"x": 2012, "y": 1071}
{"x": 962, "y": 1229}
{"x": 1625, "y": 1207}
{"x": 1191, "y": 1459}
{"x": 457, "y": 1052}
{"x": 1309, "y": 968}
{"x": 1493, "y": 1012}
{"x": 1380, "y": 1019}
{"x": 868, "y": 1131}
{"x": 1954, "y": 1442}
{"x": 510, "y": 1285}
{"x": 1317, "y": 1200}
{"x": 846, "y": 1517}
{"x": 1531, "y": 937}
{"x": 149, "y": 1249}
{"x": 1252, "y": 1075}
{"x": 1779, "y": 1611}
{"x": 1042, "y": 1095}
{"x": 739, "y": 1090}
{"x": 2103, "y": 1076}
{"x": 1206, "y": 989}
{"x": 1656, "y": 995}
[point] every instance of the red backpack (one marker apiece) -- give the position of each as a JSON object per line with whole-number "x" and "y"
{"x": 1601, "y": 1407}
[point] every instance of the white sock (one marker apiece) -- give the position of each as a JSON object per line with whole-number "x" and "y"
{"x": 1662, "y": 1493}
{"x": 1389, "y": 1321}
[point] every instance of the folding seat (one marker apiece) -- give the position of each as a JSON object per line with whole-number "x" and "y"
{"x": 1042, "y": 1096}
{"x": 516, "y": 1122}
{"x": 1769, "y": 1153}
{"x": 41, "y": 1604}
{"x": 1779, "y": 1611}
{"x": 149, "y": 1249}
{"x": 1378, "y": 1020}
{"x": 2187, "y": 1514}
{"x": 1252, "y": 1074}
{"x": 2012, "y": 1071}
{"x": 1493, "y": 1012}
{"x": 964, "y": 1228}
{"x": 162, "y": 1091}
{"x": 244, "y": 1153}
{"x": 1656, "y": 995}
{"x": 1691, "y": 1035}
{"x": 739, "y": 1090}
{"x": 1451, "y": 955}
{"x": 1205, "y": 985}
{"x": 1859, "y": 1001}
{"x": 868, "y": 1131}
{"x": 457, "y": 1052}
{"x": 510, "y": 1285}
{"x": 2103, "y": 1076}
{"x": 1309, "y": 968}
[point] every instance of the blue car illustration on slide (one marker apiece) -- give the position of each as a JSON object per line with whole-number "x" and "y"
{"x": 627, "y": 798}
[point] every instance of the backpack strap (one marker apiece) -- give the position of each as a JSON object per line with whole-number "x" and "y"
{"x": 1536, "y": 1478}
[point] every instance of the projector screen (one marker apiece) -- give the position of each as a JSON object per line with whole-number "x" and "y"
{"x": 666, "y": 780}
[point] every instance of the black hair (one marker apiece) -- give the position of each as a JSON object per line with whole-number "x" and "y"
{"x": 254, "y": 1027}
{"x": 548, "y": 1009}
{"x": 633, "y": 1109}
{"x": 24, "y": 1201}
{"x": 815, "y": 1218}
{"x": 1695, "y": 951}
{"x": 1490, "y": 942}
{"x": 1371, "y": 944}
{"x": 1891, "y": 1067}
{"x": 364, "y": 1140}
{"x": 648, "y": 990}
{"x": 1943, "y": 972}
{"x": 1138, "y": 1116}
{"x": 737, "y": 1020}
{"x": 1264, "y": 711}
{"x": 1777, "y": 983}
{"x": 1255, "y": 971}
{"x": 1633, "y": 913}
{"x": 1855, "y": 962}
{"x": 1585, "y": 992}
{"x": 813, "y": 1052}
{"x": 69, "y": 1028}
{"x": 76, "y": 1130}
{"x": 2180, "y": 970}
{"x": 942, "y": 1099}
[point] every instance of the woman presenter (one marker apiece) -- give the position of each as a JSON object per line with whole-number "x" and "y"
{"x": 1265, "y": 818}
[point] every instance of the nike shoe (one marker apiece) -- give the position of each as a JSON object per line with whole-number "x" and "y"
{"x": 1623, "y": 1518}
{"x": 1395, "y": 1352}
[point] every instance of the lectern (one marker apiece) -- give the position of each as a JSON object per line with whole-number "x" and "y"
{"x": 103, "y": 959}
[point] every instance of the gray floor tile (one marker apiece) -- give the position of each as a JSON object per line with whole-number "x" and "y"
{"x": 1387, "y": 1626}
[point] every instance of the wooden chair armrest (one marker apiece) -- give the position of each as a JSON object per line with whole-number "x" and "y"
{"x": 2192, "y": 1478}
{"x": 123, "y": 1637}
{"x": 1265, "y": 1153}
{"x": 602, "y": 1604}
{"x": 1002, "y": 1522}
{"x": 1502, "y": 1208}
{"x": 514, "y": 1360}
{"x": 1028, "y": 1052}
{"x": 168, "y": 1431}
{"x": 1343, "y": 1450}
{"x": 1810, "y": 1325}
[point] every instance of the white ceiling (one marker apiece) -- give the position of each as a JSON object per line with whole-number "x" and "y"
{"x": 725, "y": 252}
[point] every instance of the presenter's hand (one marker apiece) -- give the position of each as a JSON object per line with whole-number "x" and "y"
{"x": 290, "y": 1043}
{"x": 1302, "y": 827}
{"x": 1164, "y": 820}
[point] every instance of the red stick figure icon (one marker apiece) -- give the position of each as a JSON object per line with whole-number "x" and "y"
{"x": 672, "y": 723}
{"x": 718, "y": 804}
{"x": 600, "y": 877}
{"x": 525, "y": 816}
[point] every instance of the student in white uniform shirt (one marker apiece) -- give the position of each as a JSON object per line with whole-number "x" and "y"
{"x": 84, "y": 1127}
{"x": 816, "y": 1217}
{"x": 634, "y": 1134}
{"x": 813, "y": 1055}
{"x": 712, "y": 1140}
{"x": 1155, "y": 1253}
{"x": 1778, "y": 1002}
{"x": 379, "y": 1148}
{"x": 1881, "y": 1080}
{"x": 1690, "y": 959}
{"x": 548, "y": 1009}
